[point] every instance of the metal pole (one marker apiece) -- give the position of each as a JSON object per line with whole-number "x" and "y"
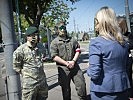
{"x": 75, "y": 28}
{"x": 77, "y": 33}
{"x": 7, "y": 27}
{"x": 18, "y": 22}
{"x": 127, "y": 12}
{"x": 49, "y": 41}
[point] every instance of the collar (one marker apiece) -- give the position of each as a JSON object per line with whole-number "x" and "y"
{"x": 63, "y": 39}
{"x": 29, "y": 44}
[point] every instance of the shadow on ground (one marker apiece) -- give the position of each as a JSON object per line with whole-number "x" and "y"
{"x": 83, "y": 58}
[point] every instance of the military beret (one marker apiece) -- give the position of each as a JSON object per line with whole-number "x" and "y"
{"x": 31, "y": 30}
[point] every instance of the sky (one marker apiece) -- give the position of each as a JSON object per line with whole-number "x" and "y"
{"x": 86, "y": 9}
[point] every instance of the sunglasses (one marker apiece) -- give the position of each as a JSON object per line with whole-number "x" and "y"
{"x": 62, "y": 27}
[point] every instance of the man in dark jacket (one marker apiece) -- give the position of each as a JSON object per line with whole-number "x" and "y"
{"x": 65, "y": 52}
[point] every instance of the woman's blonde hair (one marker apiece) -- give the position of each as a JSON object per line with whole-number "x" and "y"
{"x": 107, "y": 26}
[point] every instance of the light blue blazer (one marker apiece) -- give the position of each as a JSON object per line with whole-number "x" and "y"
{"x": 108, "y": 66}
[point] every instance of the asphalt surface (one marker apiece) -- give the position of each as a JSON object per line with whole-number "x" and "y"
{"x": 52, "y": 77}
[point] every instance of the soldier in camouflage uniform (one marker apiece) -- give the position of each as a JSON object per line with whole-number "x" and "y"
{"x": 28, "y": 61}
{"x": 65, "y": 52}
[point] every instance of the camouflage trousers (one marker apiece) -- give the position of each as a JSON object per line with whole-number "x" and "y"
{"x": 35, "y": 92}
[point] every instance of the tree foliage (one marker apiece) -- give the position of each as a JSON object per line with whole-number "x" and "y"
{"x": 58, "y": 10}
{"x": 24, "y": 23}
{"x": 33, "y": 10}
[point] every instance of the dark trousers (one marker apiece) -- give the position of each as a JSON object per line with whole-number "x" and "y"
{"x": 76, "y": 75}
{"x": 109, "y": 96}
{"x": 130, "y": 64}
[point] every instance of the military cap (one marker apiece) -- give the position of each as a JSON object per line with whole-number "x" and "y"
{"x": 31, "y": 30}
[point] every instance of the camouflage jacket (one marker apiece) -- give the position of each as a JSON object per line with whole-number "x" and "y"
{"x": 28, "y": 61}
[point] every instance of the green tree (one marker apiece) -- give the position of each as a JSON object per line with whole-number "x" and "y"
{"x": 33, "y": 10}
{"x": 24, "y": 23}
{"x": 58, "y": 10}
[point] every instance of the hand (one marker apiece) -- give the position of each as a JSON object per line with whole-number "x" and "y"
{"x": 130, "y": 98}
{"x": 71, "y": 64}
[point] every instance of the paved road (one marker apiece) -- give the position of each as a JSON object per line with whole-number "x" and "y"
{"x": 51, "y": 73}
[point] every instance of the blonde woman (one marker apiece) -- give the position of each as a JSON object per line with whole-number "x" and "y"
{"x": 108, "y": 57}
